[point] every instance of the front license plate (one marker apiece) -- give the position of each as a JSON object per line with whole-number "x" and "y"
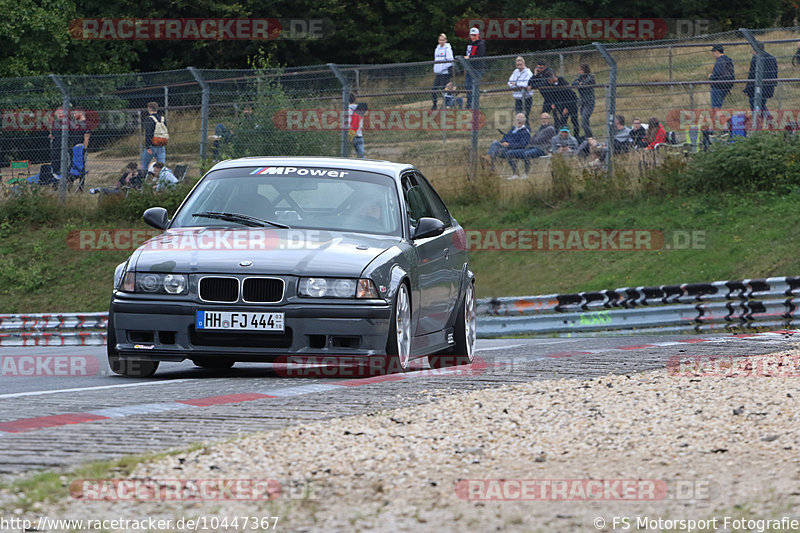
{"x": 239, "y": 321}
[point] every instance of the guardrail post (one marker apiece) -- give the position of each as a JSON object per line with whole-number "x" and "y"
{"x": 65, "y": 123}
{"x": 475, "y": 108}
{"x": 758, "y": 90}
{"x": 611, "y": 102}
{"x": 344, "y": 150}
{"x": 204, "y": 103}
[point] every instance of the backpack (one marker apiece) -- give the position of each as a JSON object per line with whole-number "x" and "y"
{"x": 160, "y": 133}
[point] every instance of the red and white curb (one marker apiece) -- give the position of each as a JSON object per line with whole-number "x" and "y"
{"x": 32, "y": 424}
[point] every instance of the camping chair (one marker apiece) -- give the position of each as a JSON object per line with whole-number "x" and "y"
{"x": 20, "y": 168}
{"x": 77, "y": 170}
{"x": 180, "y": 171}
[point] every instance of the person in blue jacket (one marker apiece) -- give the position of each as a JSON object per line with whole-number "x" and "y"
{"x": 723, "y": 72}
{"x": 517, "y": 137}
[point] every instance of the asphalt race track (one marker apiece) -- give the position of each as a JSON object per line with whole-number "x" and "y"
{"x": 59, "y": 406}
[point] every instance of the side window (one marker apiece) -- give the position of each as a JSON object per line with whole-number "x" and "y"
{"x": 415, "y": 198}
{"x": 437, "y": 207}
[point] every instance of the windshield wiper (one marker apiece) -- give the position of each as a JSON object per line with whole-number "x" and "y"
{"x": 246, "y": 220}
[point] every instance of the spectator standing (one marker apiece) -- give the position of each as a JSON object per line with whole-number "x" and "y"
{"x": 769, "y": 72}
{"x": 541, "y": 74}
{"x": 656, "y": 134}
{"x": 585, "y": 84}
{"x": 77, "y": 133}
{"x": 562, "y": 102}
{"x": 723, "y": 72}
{"x": 475, "y": 49}
{"x": 165, "y": 179}
{"x": 622, "y": 141}
{"x": 443, "y": 55}
{"x": 564, "y": 143}
{"x": 516, "y": 138}
{"x": 519, "y": 81}
{"x": 154, "y": 149}
{"x": 638, "y": 133}
{"x": 538, "y": 146}
{"x": 355, "y": 118}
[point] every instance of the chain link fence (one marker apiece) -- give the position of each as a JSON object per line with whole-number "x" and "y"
{"x": 406, "y": 112}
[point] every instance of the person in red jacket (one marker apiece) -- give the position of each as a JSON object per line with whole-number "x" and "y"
{"x": 656, "y": 134}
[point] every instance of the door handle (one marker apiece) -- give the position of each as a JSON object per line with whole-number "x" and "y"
{"x": 446, "y": 254}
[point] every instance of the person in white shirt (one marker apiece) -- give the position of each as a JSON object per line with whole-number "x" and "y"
{"x": 164, "y": 176}
{"x": 519, "y": 81}
{"x": 443, "y": 55}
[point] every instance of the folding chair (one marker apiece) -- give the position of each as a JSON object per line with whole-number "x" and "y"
{"x": 20, "y": 168}
{"x": 180, "y": 171}
{"x": 77, "y": 170}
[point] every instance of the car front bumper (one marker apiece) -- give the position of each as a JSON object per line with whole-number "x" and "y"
{"x": 160, "y": 330}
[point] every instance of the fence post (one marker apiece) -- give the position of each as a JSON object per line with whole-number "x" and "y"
{"x": 759, "y": 81}
{"x": 344, "y": 149}
{"x": 475, "y": 108}
{"x": 670, "y": 63}
{"x": 203, "y": 110}
{"x": 66, "y": 120}
{"x": 561, "y": 64}
{"x": 611, "y": 102}
{"x": 166, "y": 102}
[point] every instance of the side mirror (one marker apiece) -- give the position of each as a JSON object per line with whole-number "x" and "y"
{"x": 428, "y": 227}
{"x": 156, "y": 217}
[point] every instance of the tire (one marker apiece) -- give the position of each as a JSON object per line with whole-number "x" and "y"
{"x": 213, "y": 363}
{"x": 129, "y": 369}
{"x": 463, "y": 351}
{"x": 398, "y": 344}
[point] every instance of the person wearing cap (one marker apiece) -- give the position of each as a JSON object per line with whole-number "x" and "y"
{"x": 563, "y": 143}
{"x": 475, "y": 49}
{"x": 723, "y": 72}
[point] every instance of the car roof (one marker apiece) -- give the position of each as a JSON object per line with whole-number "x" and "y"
{"x": 367, "y": 165}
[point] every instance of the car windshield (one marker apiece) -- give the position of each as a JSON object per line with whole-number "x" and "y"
{"x": 294, "y": 197}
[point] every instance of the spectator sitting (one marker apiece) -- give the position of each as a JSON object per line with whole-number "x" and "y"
{"x": 564, "y": 143}
{"x": 656, "y": 134}
{"x": 450, "y": 98}
{"x": 638, "y": 132}
{"x": 131, "y": 178}
{"x": 593, "y": 150}
{"x": 517, "y": 137}
{"x": 622, "y": 139}
{"x": 538, "y": 146}
{"x": 164, "y": 177}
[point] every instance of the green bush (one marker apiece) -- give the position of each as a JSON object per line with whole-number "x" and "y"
{"x": 764, "y": 161}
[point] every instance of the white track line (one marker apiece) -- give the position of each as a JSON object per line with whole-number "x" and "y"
{"x": 82, "y": 389}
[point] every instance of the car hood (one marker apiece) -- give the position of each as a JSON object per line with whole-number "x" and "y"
{"x": 262, "y": 251}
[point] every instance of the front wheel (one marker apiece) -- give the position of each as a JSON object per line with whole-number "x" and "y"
{"x": 398, "y": 345}
{"x": 463, "y": 351}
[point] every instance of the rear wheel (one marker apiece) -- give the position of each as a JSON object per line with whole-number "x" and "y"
{"x": 130, "y": 369}
{"x": 463, "y": 351}
{"x": 213, "y": 362}
{"x": 398, "y": 345}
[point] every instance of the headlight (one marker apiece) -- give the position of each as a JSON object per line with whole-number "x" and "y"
{"x": 336, "y": 288}
{"x": 155, "y": 283}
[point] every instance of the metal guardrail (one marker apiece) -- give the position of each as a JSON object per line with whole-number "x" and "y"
{"x": 689, "y": 307}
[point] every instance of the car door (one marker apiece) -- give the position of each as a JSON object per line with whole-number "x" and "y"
{"x": 432, "y": 256}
